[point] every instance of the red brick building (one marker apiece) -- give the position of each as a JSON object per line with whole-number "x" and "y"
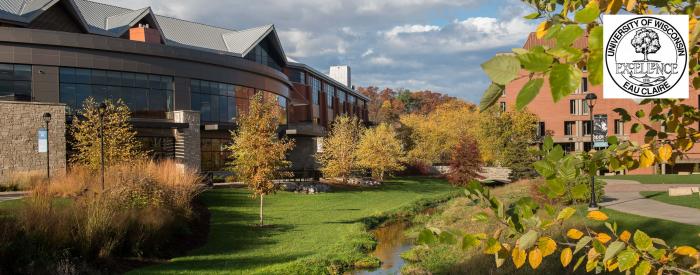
{"x": 568, "y": 120}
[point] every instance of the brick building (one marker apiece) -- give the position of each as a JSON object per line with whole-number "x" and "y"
{"x": 568, "y": 120}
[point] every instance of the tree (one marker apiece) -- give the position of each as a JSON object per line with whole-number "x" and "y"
{"x": 337, "y": 156}
{"x": 646, "y": 41}
{"x": 380, "y": 151}
{"x": 259, "y": 155}
{"x": 465, "y": 163}
{"x": 120, "y": 143}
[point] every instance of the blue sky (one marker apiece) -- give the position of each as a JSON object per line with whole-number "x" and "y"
{"x": 413, "y": 44}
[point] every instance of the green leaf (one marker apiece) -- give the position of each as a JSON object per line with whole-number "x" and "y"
{"x": 595, "y": 67}
{"x": 481, "y": 216}
{"x": 528, "y": 92}
{"x": 639, "y": 113}
{"x": 502, "y": 68}
{"x": 595, "y": 38}
{"x": 627, "y": 259}
{"x": 566, "y": 213}
{"x": 579, "y": 261}
{"x": 623, "y": 113}
{"x": 613, "y": 249}
{"x": 636, "y": 128}
{"x": 536, "y": 61}
{"x": 555, "y": 154}
{"x": 556, "y": 187}
{"x": 492, "y": 94}
{"x": 492, "y": 246}
{"x": 533, "y": 15}
{"x": 642, "y": 240}
{"x": 469, "y": 241}
{"x": 528, "y": 240}
{"x": 588, "y": 14}
{"x": 548, "y": 143}
{"x": 579, "y": 192}
{"x": 427, "y": 237}
{"x": 544, "y": 168}
{"x": 564, "y": 80}
{"x": 447, "y": 238}
{"x": 643, "y": 268}
{"x": 657, "y": 253}
{"x": 613, "y": 140}
{"x": 582, "y": 243}
{"x": 568, "y": 35}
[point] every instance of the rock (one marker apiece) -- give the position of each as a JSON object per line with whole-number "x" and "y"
{"x": 680, "y": 191}
{"x": 695, "y": 189}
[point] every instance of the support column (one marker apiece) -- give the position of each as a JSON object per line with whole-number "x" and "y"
{"x": 187, "y": 140}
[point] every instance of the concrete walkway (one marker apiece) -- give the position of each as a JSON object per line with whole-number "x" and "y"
{"x": 6, "y": 196}
{"x": 623, "y": 196}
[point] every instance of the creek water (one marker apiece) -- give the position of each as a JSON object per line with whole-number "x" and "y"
{"x": 391, "y": 242}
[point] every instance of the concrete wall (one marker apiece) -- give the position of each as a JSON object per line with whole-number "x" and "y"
{"x": 187, "y": 141}
{"x": 19, "y": 122}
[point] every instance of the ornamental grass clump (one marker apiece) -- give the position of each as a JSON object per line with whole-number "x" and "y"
{"x": 72, "y": 223}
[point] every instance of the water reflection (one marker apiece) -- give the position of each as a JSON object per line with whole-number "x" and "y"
{"x": 391, "y": 242}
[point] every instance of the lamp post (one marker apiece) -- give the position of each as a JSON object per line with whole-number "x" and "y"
{"x": 590, "y": 101}
{"x": 103, "y": 108}
{"x": 47, "y": 118}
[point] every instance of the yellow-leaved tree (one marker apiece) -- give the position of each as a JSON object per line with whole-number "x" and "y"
{"x": 120, "y": 143}
{"x": 380, "y": 151}
{"x": 337, "y": 156}
{"x": 259, "y": 154}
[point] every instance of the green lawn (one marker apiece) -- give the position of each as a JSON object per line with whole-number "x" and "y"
{"x": 307, "y": 232}
{"x": 662, "y": 196}
{"x": 672, "y": 232}
{"x": 659, "y": 179}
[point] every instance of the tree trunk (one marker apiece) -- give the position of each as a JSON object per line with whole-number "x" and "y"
{"x": 645, "y": 56}
{"x": 261, "y": 210}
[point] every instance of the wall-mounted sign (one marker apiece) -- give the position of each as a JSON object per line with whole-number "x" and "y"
{"x": 600, "y": 131}
{"x": 43, "y": 137}
{"x": 645, "y": 56}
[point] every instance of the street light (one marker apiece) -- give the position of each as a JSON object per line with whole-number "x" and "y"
{"x": 103, "y": 108}
{"x": 47, "y": 118}
{"x": 590, "y": 101}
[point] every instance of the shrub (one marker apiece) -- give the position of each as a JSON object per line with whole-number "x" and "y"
{"x": 22, "y": 181}
{"x": 465, "y": 163}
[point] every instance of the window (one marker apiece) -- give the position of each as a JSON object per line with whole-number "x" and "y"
{"x": 214, "y": 153}
{"x": 584, "y": 84}
{"x": 586, "y": 125}
{"x": 330, "y": 92}
{"x": 584, "y": 106}
{"x": 315, "y": 90}
{"x": 297, "y": 76}
{"x": 341, "y": 100}
{"x": 567, "y": 146}
{"x": 619, "y": 127}
{"x": 15, "y": 82}
{"x": 159, "y": 147}
{"x": 572, "y": 107}
{"x": 541, "y": 131}
{"x": 503, "y": 106}
{"x": 587, "y": 146}
{"x": 215, "y": 101}
{"x": 569, "y": 128}
{"x": 146, "y": 95}
{"x": 261, "y": 54}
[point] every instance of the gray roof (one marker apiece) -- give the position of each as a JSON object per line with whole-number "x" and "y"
{"x": 108, "y": 20}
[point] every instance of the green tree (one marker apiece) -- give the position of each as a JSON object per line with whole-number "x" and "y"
{"x": 259, "y": 154}
{"x": 337, "y": 157}
{"x": 120, "y": 143}
{"x": 380, "y": 151}
{"x": 509, "y": 137}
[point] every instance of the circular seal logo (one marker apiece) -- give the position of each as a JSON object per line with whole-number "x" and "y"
{"x": 646, "y": 56}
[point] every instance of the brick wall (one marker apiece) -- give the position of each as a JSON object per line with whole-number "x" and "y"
{"x": 19, "y": 122}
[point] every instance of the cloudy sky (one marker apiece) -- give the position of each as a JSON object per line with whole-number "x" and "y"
{"x": 413, "y": 44}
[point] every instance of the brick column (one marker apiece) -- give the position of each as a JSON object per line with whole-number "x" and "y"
{"x": 187, "y": 140}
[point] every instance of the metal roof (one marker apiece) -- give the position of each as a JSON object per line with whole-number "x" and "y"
{"x": 108, "y": 20}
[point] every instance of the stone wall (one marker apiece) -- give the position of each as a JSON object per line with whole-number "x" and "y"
{"x": 187, "y": 140}
{"x": 19, "y": 123}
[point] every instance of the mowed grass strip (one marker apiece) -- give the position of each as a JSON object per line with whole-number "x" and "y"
{"x": 662, "y": 196}
{"x": 659, "y": 179}
{"x": 306, "y": 233}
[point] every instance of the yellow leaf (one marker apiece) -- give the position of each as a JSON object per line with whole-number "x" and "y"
{"x": 665, "y": 152}
{"x": 686, "y": 250}
{"x": 691, "y": 24}
{"x": 590, "y": 265}
{"x": 535, "y": 258}
{"x": 597, "y": 215}
{"x": 603, "y": 238}
{"x": 547, "y": 246}
{"x": 566, "y": 256}
{"x": 574, "y": 234}
{"x": 629, "y": 6}
{"x": 625, "y": 236}
{"x": 611, "y": 265}
{"x": 518, "y": 257}
{"x": 646, "y": 159}
{"x": 542, "y": 29}
{"x": 613, "y": 6}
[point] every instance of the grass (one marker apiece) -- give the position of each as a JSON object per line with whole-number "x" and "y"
{"x": 662, "y": 196}
{"x": 309, "y": 234}
{"x": 659, "y": 179}
{"x": 672, "y": 232}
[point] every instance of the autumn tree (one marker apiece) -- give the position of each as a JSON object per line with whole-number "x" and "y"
{"x": 507, "y": 138}
{"x": 337, "y": 158}
{"x": 259, "y": 154}
{"x": 465, "y": 162}
{"x": 120, "y": 143}
{"x": 380, "y": 151}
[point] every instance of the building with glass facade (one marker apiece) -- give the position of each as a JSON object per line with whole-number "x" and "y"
{"x": 185, "y": 83}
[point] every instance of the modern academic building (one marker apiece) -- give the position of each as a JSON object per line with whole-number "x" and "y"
{"x": 568, "y": 121}
{"x": 184, "y": 82}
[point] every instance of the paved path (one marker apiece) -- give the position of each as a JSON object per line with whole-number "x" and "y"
{"x": 6, "y": 196}
{"x": 623, "y": 196}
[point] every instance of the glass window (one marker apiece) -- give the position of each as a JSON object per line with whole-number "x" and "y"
{"x": 572, "y": 107}
{"x": 586, "y": 127}
{"x": 128, "y": 79}
{"x": 114, "y": 78}
{"x": 141, "y": 80}
{"x": 67, "y": 75}
{"x": 99, "y": 77}
{"x": 6, "y": 71}
{"x": 82, "y": 76}
{"x": 15, "y": 82}
{"x": 569, "y": 128}
{"x": 23, "y": 72}
{"x": 619, "y": 127}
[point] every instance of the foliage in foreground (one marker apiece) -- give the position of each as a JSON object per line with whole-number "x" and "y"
{"x": 259, "y": 155}
{"x": 380, "y": 151}
{"x": 120, "y": 144}
{"x": 143, "y": 210}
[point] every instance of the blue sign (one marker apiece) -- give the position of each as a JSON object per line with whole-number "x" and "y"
{"x": 600, "y": 131}
{"x": 43, "y": 136}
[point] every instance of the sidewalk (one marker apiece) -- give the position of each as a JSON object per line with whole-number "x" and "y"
{"x": 623, "y": 196}
{"x": 6, "y": 196}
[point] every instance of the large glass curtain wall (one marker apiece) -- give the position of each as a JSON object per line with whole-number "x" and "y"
{"x": 221, "y": 102}
{"x": 15, "y": 82}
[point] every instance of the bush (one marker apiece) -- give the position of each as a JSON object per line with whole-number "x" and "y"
{"x": 22, "y": 181}
{"x": 465, "y": 162}
{"x": 586, "y": 179}
{"x": 144, "y": 207}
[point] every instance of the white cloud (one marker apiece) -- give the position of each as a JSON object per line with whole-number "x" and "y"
{"x": 367, "y": 52}
{"x": 411, "y": 29}
{"x": 381, "y": 60}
